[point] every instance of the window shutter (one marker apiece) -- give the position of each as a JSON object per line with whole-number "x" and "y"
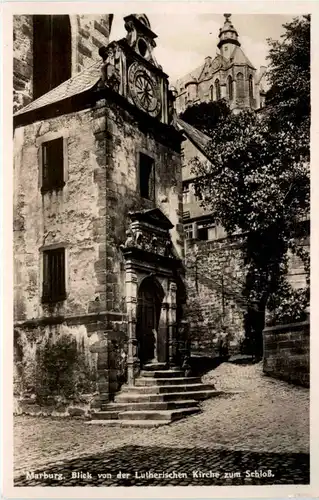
{"x": 46, "y": 277}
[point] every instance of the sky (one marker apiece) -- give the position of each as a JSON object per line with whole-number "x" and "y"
{"x": 184, "y": 40}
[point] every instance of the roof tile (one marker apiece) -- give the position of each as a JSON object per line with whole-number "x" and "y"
{"x": 79, "y": 83}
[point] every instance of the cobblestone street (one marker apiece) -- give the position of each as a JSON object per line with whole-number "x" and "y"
{"x": 263, "y": 426}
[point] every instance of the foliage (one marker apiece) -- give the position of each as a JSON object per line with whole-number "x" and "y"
{"x": 257, "y": 179}
{"x": 288, "y": 305}
{"x": 61, "y": 368}
{"x": 289, "y": 75}
{"x": 206, "y": 115}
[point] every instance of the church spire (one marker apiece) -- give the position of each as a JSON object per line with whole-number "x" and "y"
{"x": 228, "y": 37}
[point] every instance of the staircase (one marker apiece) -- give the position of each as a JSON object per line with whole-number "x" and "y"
{"x": 160, "y": 396}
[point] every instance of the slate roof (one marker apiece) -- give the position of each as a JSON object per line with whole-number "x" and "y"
{"x": 193, "y": 75}
{"x": 85, "y": 80}
{"x": 239, "y": 57}
{"x": 198, "y": 138}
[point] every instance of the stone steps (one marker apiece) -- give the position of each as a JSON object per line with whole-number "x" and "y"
{"x": 173, "y": 396}
{"x": 171, "y": 415}
{"x": 151, "y": 381}
{"x": 162, "y": 389}
{"x": 149, "y": 405}
{"x": 161, "y": 373}
{"x": 160, "y": 396}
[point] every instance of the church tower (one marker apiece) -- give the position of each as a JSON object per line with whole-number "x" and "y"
{"x": 228, "y": 38}
{"x": 229, "y": 75}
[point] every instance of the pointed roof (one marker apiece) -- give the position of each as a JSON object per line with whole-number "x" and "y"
{"x": 81, "y": 82}
{"x": 239, "y": 57}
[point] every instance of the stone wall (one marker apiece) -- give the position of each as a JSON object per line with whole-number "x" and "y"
{"x": 89, "y": 218}
{"x": 215, "y": 305}
{"x": 88, "y": 32}
{"x": 287, "y": 353}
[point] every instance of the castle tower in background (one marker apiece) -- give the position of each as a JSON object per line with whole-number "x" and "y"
{"x": 230, "y": 75}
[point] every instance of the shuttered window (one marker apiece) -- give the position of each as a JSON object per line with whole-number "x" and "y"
{"x": 54, "y": 275}
{"x": 52, "y": 165}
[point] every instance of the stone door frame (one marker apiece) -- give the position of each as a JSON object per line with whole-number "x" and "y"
{"x": 135, "y": 272}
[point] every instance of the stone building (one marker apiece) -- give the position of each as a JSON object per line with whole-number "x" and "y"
{"x": 229, "y": 75}
{"x": 98, "y": 235}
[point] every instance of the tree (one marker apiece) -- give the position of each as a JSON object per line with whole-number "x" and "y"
{"x": 256, "y": 180}
{"x": 206, "y": 116}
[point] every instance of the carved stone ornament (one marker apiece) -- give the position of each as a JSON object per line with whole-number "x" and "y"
{"x": 111, "y": 76}
{"x": 149, "y": 234}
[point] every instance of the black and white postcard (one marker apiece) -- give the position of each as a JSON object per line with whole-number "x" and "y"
{"x": 157, "y": 255}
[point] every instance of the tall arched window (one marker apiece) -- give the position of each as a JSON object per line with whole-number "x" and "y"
{"x": 217, "y": 88}
{"x": 240, "y": 86}
{"x": 51, "y": 52}
{"x": 251, "y": 87}
{"x": 211, "y": 93}
{"x": 230, "y": 88}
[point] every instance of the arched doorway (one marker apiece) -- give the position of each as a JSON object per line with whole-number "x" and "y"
{"x": 149, "y": 304}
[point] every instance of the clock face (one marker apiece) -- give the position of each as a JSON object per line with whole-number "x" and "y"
{"x": 144, "y": 89}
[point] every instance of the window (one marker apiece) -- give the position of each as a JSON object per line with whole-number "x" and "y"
{"x": 230, "y": 88}
{"x": 202, "y": 231}
{"x": 198, "y": 192}
{"x": 240, "y": 86}
{"x": 185, "y": 193}
{"x": 147, "y": 177}
{"x": 217, "y": 87}
{"x": 52, "y": 165}
{"x": 54, "y": 275}
{"x": 51, "y": 52}
{"x": 211, "y": 93}
{"x": 251, "y": 88}
{"x": 188, "y": 229}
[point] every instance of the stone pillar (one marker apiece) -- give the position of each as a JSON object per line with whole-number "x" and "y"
{"x": 131, "y": 306}
{"x": 171, "y": 322}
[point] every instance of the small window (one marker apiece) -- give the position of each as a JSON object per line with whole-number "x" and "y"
{"x": 186, "y": 193}
{"x": 52, "y": 165}
{"x": 54, "y": 275}
{"x": 198, "y": 192}
{"x": 251, "y": 87}
{"x": 217, "y": 90}
{"x": 230, "y": 88}
{"x": 188, "y": 229}
{"x": 211, "y": 93}
{"x": 202, "y": 232}
{"x": 240, "y": 86}
{"x": 147, "y": 177}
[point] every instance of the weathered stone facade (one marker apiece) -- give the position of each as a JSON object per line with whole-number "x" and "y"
{"x": 89, "y": 216}
{"x": 88, "y": 33}
{"x": 216, "y": 308}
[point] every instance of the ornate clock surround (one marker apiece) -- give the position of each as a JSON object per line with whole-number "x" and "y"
{"x": 145, "y": 89}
